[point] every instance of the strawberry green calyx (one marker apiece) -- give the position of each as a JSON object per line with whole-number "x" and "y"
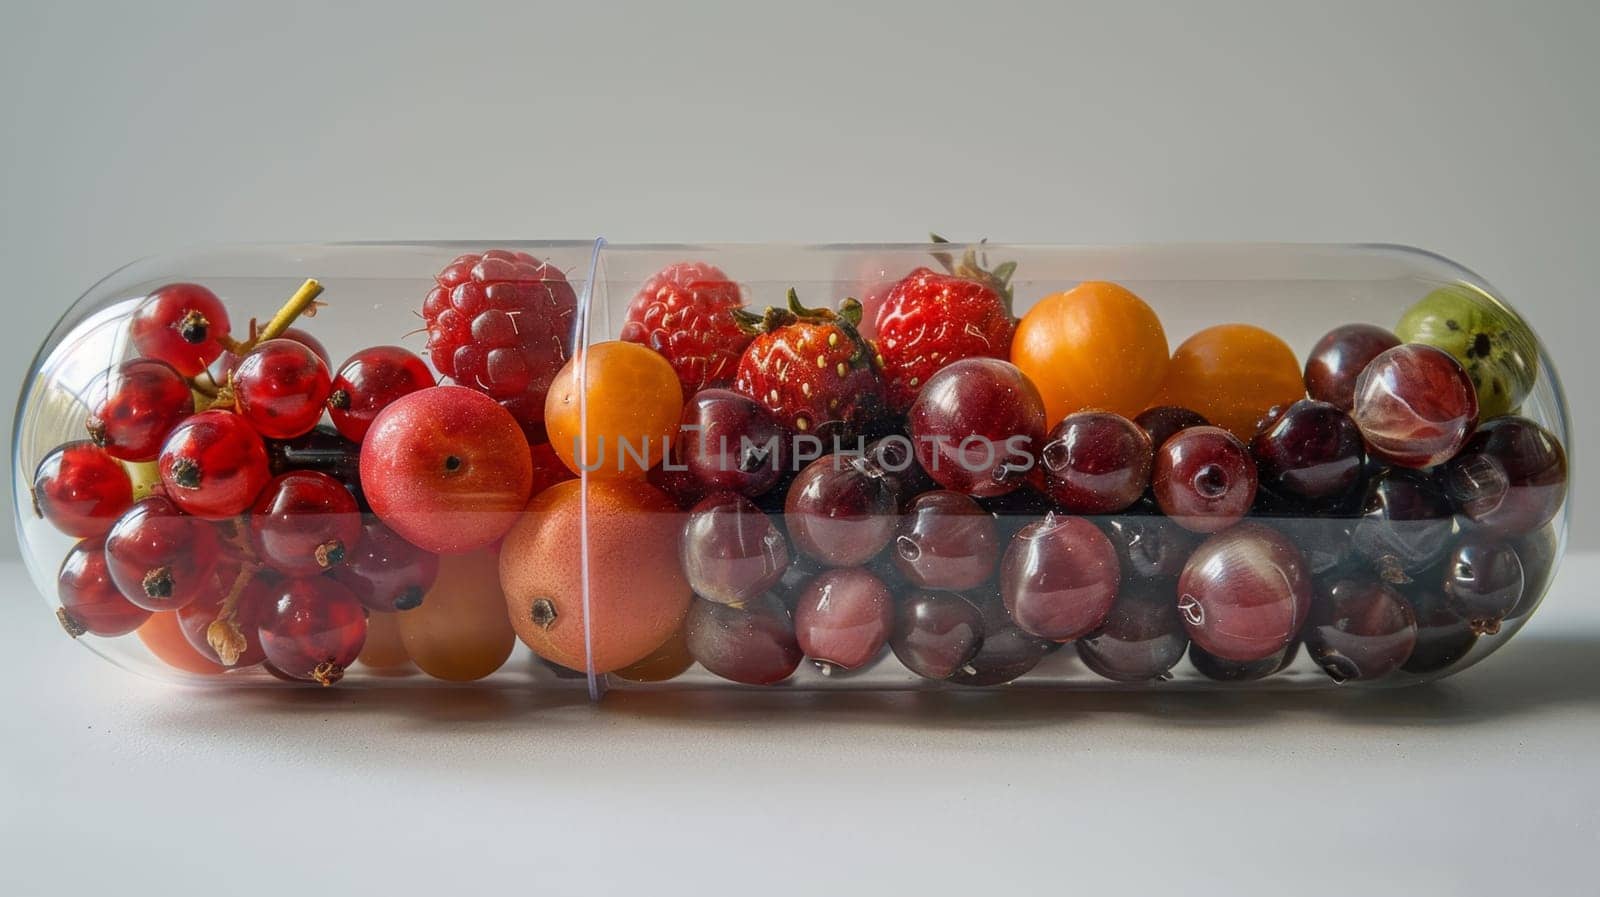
{"x": 972, "y": 266}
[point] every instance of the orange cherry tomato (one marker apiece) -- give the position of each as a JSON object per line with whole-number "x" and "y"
{"x": 162, "y": 635}
{"x": 460, "y": 632}
{"x": 1231, "y": 374}
{"x": 633, "y": 403}
{"x": 383, "y": 649}
{"x": 1096, "y": 345}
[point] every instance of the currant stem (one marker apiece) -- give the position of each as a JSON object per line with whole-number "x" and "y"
{"x": 303, "y": 301}
{"x": 224, "y": 635}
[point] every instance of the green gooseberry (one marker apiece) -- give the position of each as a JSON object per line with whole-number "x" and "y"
{"x": 1498, "y": 350}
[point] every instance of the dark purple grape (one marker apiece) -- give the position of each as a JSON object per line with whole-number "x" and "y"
{"x": 841, "y": 510}
{"x": 1444, "y": 636}
{"x": 1213, "y": 667}
{"x": 1539, "y": 552}
{"x": 977, "y": 426}
{"x": 1164, "y": 421}
{"x": 1483, "y": 580}
{"x": 754, "y": 644}
{"x": 1059, "y": 578}
{"x": 1510, "y": 477}
{"x": 946, "y": 542}
{"x": 1006, "y": 652}
{"x": 730, "y": 551}
{"x": 1415, "y": 406}
{"x": 1245, "y": 593}
{"x": 323, "y": 450}
{"x": 1204, "y": 479}
{"x": 895, "y": 456}
{"x": 1014, "y": 510}
{"x": 1096, "y": 462}
{"x": 1143, "y": 637}
{"x": 1326, "y": 543}
{"x": 1312, "y": 450}
{"x": 1148, "y": 544}
{"x": 1339, "y": 358}
{"x": 1360, "y": 629}
{"x": 1405, "y": 525}
{"x": 843, "y": 617}
{"x": 936, "y": 633}
{"x": 730, "y": 441}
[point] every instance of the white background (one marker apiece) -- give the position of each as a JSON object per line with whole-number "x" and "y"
{"x": 139, "y": 128}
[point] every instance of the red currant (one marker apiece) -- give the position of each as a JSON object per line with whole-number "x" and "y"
{"x": 228, "y": 362}
{"x": 281, "y": 387}
{"x": 368, "y": 382}
{"x": 90, "y": 600}
{"x": 304, "y": 522}
{"x": 314, "y": 629}
{"x": 81, "y": 490}
{"x": 214, "y": 465}
{"x": 233, "y": 640}
{"x": 182, "y": 324}
{"x": 386, "y": 572}
{"x": 135, "y": 405}
{"x": 160, "y": 557}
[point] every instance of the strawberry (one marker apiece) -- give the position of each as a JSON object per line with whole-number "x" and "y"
{"x": 685, "y": 312}
{"x": 811, "y": 368}
{"x": 930, "y": 319}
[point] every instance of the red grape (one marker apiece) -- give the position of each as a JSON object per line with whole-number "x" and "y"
{"x": 1165, "y": 421}
{"x": 728, "y": 440}
{"x": 1244, "y": 593}
{"x": 1204, "y": 479}
{"x": 214, "y": 465}
{"x": 731, "y": 552}
{"x": 897, "y": 458}
{"x": 1338, "y": 359}
{"x": 281, "y": 388}
{"x": 1006, "y": 652}
{"x": 90, "y": 600}
{"x": 841, "y": 510}
{"x": 81, "y": 490}
{"x": 135, "y": 405}
{"x": 1213, "y": 667}
{"x": 1148, "y": 544}
{"x": 386, "y": 572}
{"x": 1405, "y": 524}
{"x": 1510, "y": 477}
{"x": 305, "y": 523}
{"x": 1484, "y": 581}
{"x": 754, "y": 644}
{"x": 842, "y": 618}
{"x": 1444, "y": 636}
{"x": 1096, "y": 462}
{"x": 1312, "y": 450}
{"x": 936, "y": 633}
{"x": 1142, "y": 638}
{"x": 977, "y": 426}
{"x": 161, "y": 558}
{"x": 368, "y": 382}
{"x": 946, "y": 541}
{"x": 314, "y": 629}
{"x": 181, "y": 324}
{"x": 1360, "y": 629}
{"x": 1415, "y": 405}
{"x": 1059, "y": 578}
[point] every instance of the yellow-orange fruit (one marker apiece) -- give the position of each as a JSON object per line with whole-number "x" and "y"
{"x": 1096, "y": 345}
{"x": 668, "y": 661}
{"x": 383, "y": 648}
{"x": 634, "y": 401}
{"x": 1231, "y": 374}
{"x": 164, "y": 637}
{"x": 460, "y": 631}
{"x": 638, "y": 595}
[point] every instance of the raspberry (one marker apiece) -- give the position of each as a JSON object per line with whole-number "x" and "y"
{"x": 685, "y": 313}
{"x": 502, "y": 323}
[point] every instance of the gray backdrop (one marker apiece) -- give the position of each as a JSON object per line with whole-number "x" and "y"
{"x": 1468, "y": 129}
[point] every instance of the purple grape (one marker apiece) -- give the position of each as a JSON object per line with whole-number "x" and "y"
{"x": 754, "y": 644}
{"x": 843, "y": 617}
{"x": 1006, "y": 652}
{"x": 1165, "y": 421}
{"x": 1339, "y": 358}
{"x": 1405, "y": 525}
{"x": 1096, "y": 462}
{"x": 841, "y": 510}
{"x": 728, "y": 441}
{"x": 1510, "y": 477}
{"x": 1059, "y": 578}
{"x": 1360, "y": 629}
{"x": 1312, "y": 450}
{"x": 1415, "y": 406}
{"x": 1484, "y": 581}
{"x": 1444, "y": 636}
{"x": 1213, "y": 667}
{"x": 936, "y": 633}
{"x": 730, "y": 551}
{"x": 977, "y": 426}
{"x": 1143, "y": 637}
{"x": 1148, "y": 544}
{"x": 1204, "y": 479}
{"x": 947, "y": 542}
{"x": 1244, "y": 593}
{"x": 895, "y": 456}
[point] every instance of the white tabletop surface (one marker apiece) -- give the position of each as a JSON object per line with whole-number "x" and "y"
{"x": 111, "y": 784}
